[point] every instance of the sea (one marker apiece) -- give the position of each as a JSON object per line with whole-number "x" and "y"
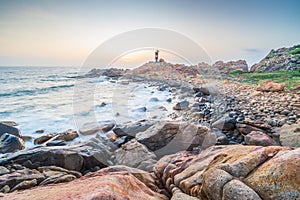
{"x": 51, "y": 99}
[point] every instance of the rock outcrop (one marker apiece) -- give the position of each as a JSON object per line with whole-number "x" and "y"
{"x": 280, "y": 59}
{"x": 233, "y": 172}
{"x": 231, "y": 66}
{"x": 219, "y": 172}
{"x": 118, "y": 182}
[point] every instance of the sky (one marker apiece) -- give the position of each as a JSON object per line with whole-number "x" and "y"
{"x": 65, "y": 32}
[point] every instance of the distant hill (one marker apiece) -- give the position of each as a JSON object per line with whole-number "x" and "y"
{"x": 280, "y": 59}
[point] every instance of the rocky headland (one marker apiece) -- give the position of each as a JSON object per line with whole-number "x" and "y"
{"x": 226, "y": 140}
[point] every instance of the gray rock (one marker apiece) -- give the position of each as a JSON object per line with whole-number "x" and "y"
{"x": 181, "y": 105}
{"x": 132, "y": 128}
{"x": 9, "y": 129}
{"x": 5, "y": 189}
{"x": 141, "y": 109}
{"x": 236, "y": 189}
{"x": 58, "y": 179}
{"x": 154, "y": 99}
{"x": 224, "y": 123}
{"x": 169, "y": 137}
{"x": 77, "y": 157}
{"x": 10, "y": 143}
{"x": 9, "y": 123}
{"x": 290, "y": 135}
{"x": 3, "y": 170}
{"x": 135, "y": 154}
{"x": 25, "y": 185}
{"x": 14, "y": 178}
{"x": 56, "y": 143}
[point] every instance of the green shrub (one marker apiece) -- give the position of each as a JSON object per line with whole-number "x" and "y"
{"x": 295, "y": 51}
{"x": 235, "y": 72}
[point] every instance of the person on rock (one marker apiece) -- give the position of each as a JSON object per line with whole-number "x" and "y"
{"x": 156, "y": 55}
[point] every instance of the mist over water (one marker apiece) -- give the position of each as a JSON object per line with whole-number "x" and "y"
{"x": 42, "y": 98}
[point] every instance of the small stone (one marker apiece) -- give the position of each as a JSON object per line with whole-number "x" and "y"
{"x": 39, "y": 131}
{"x": 5, "y": 189}
{"x": 25, "y": 185}
{"x": 154, "y": 99}
{"x": 181, "y": 105}
{"x": 3, "y": 170}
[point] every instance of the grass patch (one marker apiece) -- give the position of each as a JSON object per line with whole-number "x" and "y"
{"x": 236, "y": 72}
{"x": 290, "y": 78}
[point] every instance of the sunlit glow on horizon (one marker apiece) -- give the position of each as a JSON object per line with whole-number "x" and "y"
{"x": 45, "y": 33}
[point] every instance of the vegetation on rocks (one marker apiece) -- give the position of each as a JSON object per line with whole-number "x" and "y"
{"x": 290, "y": 78}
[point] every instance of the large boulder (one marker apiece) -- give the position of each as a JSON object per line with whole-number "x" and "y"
{"x": 4, "y": 128}
{"x": 132, "y": 128}
{"x": 269, "y": 86}
{"x": 168, "y": 137}
{"x": 135, "y": 154}
{"x": 290, "y": 135}
{"x": 259, "y": 138}
{"x": 233, "y": 172}
{"x": 79, "y": 157}
{"x": 10, "y": 143}
{"x": 118, "y": 182}
{"x": 224, "y": 123}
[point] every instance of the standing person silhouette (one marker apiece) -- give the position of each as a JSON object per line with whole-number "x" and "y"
{"x": 156, "y": 56}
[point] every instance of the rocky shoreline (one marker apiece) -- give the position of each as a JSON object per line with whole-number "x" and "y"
{"x": 225, "y": 141}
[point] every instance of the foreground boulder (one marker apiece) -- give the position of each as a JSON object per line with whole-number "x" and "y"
{"x": 118, "y": 182}
{"x": 78, "y": 157}
{"x": 17, "y": 177}
{"x": 233, "y": 172}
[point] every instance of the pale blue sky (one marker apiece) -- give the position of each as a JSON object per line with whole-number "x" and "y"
{"x": 55, "y": 33}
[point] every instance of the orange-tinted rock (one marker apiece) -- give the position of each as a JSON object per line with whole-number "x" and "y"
{"x": 117, "y": 183}
{"x": 269, "y": 86}
{"x": 279, "y": 177}
{"x": 234, "y": 172}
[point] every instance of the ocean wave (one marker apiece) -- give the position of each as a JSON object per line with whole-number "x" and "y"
{"x": 35, "y": 91}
